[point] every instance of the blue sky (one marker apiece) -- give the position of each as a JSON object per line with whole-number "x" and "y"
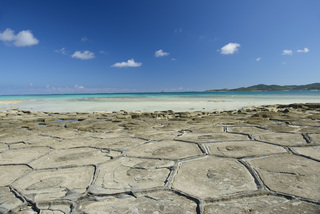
{"x": 84, "y": 46}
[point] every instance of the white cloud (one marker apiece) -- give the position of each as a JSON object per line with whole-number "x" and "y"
{"x": 83, "y": 55}
{"x": 230, "y": 48}
{"x": 258, "y": 59}
{"x": 22, "y": 39}
{"x": 62, "y": 51}
{"x": 7, "y": 35}
{"x": 129, "y": 63}
{"x": 305, "y": 50}
{"x": 173, "y": 59}
{"x": 161, "y": 53}
{"x": 287, "y": 52}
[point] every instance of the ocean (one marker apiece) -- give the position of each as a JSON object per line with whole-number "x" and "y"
{"x": 149, "y": 102}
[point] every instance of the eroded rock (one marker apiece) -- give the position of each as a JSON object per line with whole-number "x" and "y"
{"x": 21, "y": 156}
{"x": 261, "y": 204}
{"x": 285, "y": 139}
{"x": 46, "y": 185}
{"x": 290, "y": 174}
{"x": 241, "y": 149}
{"x": 166, "y": 149}
{"x": 152, "y": 202}
{"x": 128, "y": 174}
{"x": 70, "y": 157}
{"x": 211, "y": 137}
{"x": 213, "y": 177}
{"x": 310, "y": 151}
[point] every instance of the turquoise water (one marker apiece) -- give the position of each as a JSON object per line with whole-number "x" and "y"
{"x": 186, "y": 101}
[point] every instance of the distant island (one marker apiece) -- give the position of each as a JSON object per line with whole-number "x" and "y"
{"x": 262, "y": 87}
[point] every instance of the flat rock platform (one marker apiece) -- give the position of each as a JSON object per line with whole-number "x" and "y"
{"x": 254, "y": 160}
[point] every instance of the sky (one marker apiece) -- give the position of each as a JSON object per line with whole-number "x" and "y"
{"x": 117, "y": 46}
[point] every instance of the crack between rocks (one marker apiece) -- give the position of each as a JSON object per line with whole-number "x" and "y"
{"x": 292, "y": 197}
{"x": 257, "y": 179}
{"x": 307, "y": 138}
{"x": 202, "y": 149}
{"x": 173, "y": 171}
{"x": 24, "y": 199}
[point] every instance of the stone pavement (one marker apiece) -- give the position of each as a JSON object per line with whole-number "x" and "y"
{"x": 255, "y": 160}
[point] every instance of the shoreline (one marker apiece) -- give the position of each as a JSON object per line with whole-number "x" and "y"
{"x": 248, "y": 108}
{"x": 148, "y": 102}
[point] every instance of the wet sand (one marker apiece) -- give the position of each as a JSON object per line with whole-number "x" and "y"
{"x": 253, "y": 160}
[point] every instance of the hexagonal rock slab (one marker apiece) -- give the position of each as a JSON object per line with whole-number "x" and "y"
{"x": 212, "y": 137}
{"x": 247, "y": 130}
{"x": 156, "y": 135}
{"x": 10, "y": 173}
{"x": 153, "y": 202}
{"x": 261, "y": 204}
{"x": 12, "y": 135}
{"x": 311, "y": 151}
{"x": 213, "y": 177}
{"x": 205, "y": 129}
{"x": 166, "y": 150}
{"x": 3, "y": 147}
{"x": 49, "y": 185}
{"x": 70, "y": 157}
{"x": 243, "y": 149}
{"x": 285, "y": 139}
{"x": 21, "y": 156}
{"x": 57, "y": 207}
{"x": 119, "y": 144}
{"x": 315, "y": 138}
{"x": 290, "y": 174}
{"x": 127, "y": 174}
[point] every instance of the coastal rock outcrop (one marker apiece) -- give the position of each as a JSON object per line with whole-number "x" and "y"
{"x": 252, "y": 160}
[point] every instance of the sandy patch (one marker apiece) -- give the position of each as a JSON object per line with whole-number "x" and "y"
{"x": 10, "y": 102}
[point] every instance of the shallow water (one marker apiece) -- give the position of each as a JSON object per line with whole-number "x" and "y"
{"x": 188, "y": 101}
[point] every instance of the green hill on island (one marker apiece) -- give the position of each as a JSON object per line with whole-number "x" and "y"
{"x": 262, "y": 87}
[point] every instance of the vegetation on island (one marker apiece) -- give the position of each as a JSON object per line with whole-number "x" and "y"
{"x": 262, "y": 87}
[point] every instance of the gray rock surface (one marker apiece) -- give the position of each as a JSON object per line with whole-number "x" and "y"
{"x": 290, "y": 174}
{"x": 254, "y": 160}
{"x": 213, "y": 177}
{"x": 261, "y": 204}
{"x": 312, "y": 151}
{"x": 166, "y": 149}
{"x": 243, "y": 149}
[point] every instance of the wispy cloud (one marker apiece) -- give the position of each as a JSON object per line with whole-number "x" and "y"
{"x": 287, "y": 52}
{"x": 258, "y": 59}
{"x": 22, "y": 39}
{"x": 79, "y": 87}
{"x": 178, "y": 30}
{"x": 305, "y": 50}
{"x": 161, "y": 53}
{"x": 129, "y": 63}
{"x": 230, "y": 48}
{"x": 84, "y": 39}
{"x": 62, "y": 51}
{"x": 83, "y": 55}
